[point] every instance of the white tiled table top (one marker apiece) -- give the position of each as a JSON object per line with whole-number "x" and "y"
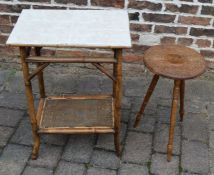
{"x": 72, "y": 28}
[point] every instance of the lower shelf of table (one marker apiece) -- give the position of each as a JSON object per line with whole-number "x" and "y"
{"x": 76, "y": 114}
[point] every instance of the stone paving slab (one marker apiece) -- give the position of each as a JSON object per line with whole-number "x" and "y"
{"x": 100, "y": 171}
{"x": 160, "y": 165}
{"x": 147, "y": 123}
{"x": 143, "y": 148}
{"x": 13, "y": 100}
{"x": 65, "y": 168}
{"x": 199, "y": 89}
{"x": 161, "y": 139}
{"x": 127, "y": 169}
{"x": 195, "y": 127}
{"x": 23, "y": 134}
{"x": 106, "y": 141}
{"x": 105, "y": 159}
{"x": 5, "y": 134}
{"x": 10, "y": 117}
{"x": 137, "y": 148}
{"x": 49, "y": 156}
{"x": 37, "y": 171}
{"x": 79, "y": 148}
{"x": 195, "y": 157}
{"x": 14, "y": 159}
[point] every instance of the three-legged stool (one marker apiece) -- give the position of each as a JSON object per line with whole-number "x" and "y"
{"x": 174, "y": 62}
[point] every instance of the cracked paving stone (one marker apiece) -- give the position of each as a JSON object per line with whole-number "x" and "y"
{"x": 23, "y": 134}
{"x": 105, "y": 159}
{"x": 132, "y": 169}
{"x": 12, "y": 100}
{"x": 162, "y": 137}
{"x": 37, "y": 171}
{"x": 195, "y": 157}
{"x": 100, "y": 171}
{"x": 195, "y": 127}
{"x": 79, "y": 148}
{"x": 67, "y": 168}
{"x": 48, "y": 157}
{"x": 106, "y": 141}
{"x": 137, "y": 148}
{"x": 9, "y": 117}
{"x": 5, "y": 134}
{"x": 14, "y": 159}
{"x": 147, "y": 123}
{"x": 160, "y": 165}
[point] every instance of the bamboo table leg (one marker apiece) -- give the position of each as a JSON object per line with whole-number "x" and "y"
{"x": 40, "y": 75}
{"x": 146, "y": 99}
{"x": 176, "y": 92}
{"x": 182, "y": 92}
{"x": 30, "y": 101}
{"x": 117, "y": 93}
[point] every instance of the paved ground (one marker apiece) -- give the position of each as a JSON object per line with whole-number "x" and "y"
{"x": 144, "y": 148}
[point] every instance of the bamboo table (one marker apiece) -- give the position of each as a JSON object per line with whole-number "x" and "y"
{"x": 72, "y": 28}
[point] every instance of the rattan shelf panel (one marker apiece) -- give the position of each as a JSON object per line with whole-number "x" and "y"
{"x": 76, "y": 114}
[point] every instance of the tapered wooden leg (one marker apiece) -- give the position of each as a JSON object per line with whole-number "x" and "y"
{"x": 117, "y": 93}
{"x": 30, "y": 102}
{"x": 146, "y": 99}
{"x": 182, "y": 93}
{"x": 176, "y": 92}
{"x": 40, "y": 74}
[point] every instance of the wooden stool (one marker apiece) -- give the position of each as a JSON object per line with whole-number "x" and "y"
{"x": 175, "y": 62}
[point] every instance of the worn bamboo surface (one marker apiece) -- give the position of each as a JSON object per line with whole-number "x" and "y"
{"x": 69, "y": 60}
{"x": 78, "y": 112}
{"x": 174, "y": 61}
{"x": 30, "y": 102}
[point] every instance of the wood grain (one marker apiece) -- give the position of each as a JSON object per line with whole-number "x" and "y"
{"x": 174, "y": 61}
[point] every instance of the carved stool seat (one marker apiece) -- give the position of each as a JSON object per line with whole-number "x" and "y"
{"x": 175, "y": 62}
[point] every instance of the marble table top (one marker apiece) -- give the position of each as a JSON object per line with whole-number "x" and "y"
{"x": 72, "y": 28}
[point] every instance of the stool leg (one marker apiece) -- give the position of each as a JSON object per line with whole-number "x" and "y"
{"x": 176, "y": 92}
{"x": 117, "y": 94}
{"x": 182, "y": 92}
{"x": 146, "y": 99}
{"x": 30, "y": 101}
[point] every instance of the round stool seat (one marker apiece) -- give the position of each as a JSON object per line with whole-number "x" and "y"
{"x": 174, "y": 61}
